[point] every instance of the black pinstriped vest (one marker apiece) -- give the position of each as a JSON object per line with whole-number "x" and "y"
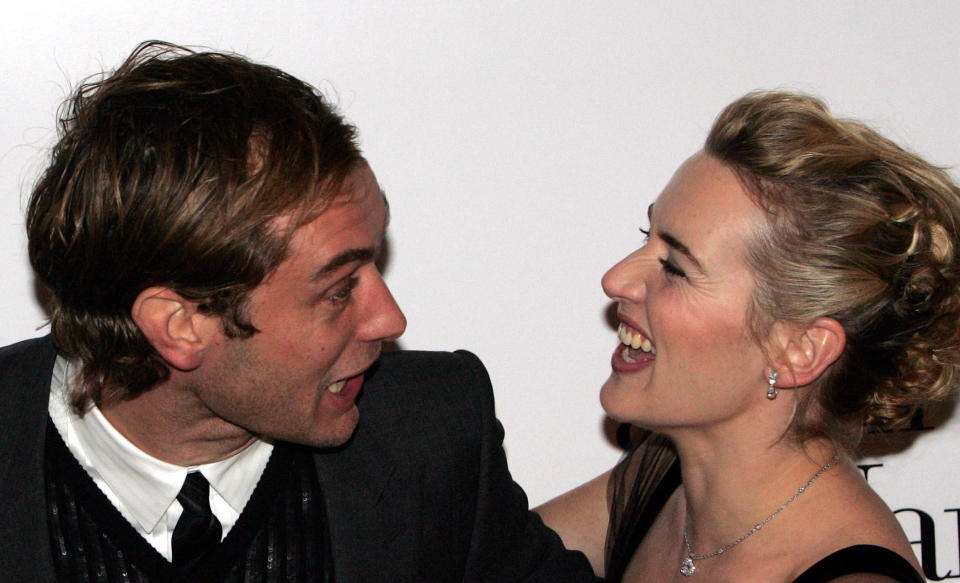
{"x": 280, "y": 537}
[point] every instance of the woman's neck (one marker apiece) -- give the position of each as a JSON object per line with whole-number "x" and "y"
{"x": 730, "y": 486}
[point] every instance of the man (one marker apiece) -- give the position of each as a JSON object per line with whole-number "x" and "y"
{"x": 207, "y": 236}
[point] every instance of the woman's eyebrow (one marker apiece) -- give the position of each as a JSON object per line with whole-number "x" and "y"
{"x": 675, "y": 243}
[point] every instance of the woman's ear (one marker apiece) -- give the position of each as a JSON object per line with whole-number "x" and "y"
{"x": 805, "y": 352}
{"x": 173, "y": 325}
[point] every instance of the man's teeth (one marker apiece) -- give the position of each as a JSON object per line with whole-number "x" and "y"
{"x": 635, "y": 341}
{"x": 336, "y": 387}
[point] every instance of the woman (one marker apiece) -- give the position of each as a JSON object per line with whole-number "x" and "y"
{"x": 798, "y": 285}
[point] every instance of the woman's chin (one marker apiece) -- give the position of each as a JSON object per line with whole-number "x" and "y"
{"x": 615, "y": 399}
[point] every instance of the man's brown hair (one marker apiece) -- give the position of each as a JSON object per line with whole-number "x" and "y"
{"x": 168, "y": 172}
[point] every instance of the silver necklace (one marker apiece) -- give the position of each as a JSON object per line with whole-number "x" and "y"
{"x": 687, "y": 567}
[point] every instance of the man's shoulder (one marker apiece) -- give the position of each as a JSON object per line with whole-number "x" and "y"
{"x": 428, "y": 363}
{"x": 27, "y": 357}
{"x": 426, "y": 375}
{"x": 27, "y": 346}
{"x": 25, "y": 369}
{"x": 405, "y": 386}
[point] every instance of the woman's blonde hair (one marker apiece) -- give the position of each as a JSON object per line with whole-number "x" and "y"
{"x": 860, "y": 231}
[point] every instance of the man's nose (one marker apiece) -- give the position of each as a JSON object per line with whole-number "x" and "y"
{"x": 386, "y": 320}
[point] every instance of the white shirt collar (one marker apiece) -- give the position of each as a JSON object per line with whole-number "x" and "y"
{"x": 140, "y": 485}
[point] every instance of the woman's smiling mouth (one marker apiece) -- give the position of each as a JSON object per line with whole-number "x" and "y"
{"x": 635, "y": 350}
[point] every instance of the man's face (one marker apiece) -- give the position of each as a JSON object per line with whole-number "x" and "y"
{"x": 322, "y": 316}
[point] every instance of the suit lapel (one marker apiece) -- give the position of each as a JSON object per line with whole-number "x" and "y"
{"x": 373, "y": 508}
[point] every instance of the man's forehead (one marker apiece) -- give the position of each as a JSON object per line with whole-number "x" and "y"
{"x": 367, "y": 194}
{"x": 346, "y": 233}
{"x": 359, "y": 186}
{"x": 358, "y": 221}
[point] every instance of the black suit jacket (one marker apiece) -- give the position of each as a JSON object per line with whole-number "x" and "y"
{"x": 421, "y": 492}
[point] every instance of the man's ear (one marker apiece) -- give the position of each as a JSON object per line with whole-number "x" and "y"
{"x": 173, "y": 325}
{"x": 805, "y": 352}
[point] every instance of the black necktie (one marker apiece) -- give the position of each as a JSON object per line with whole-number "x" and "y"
{"x": 198, "y": 530}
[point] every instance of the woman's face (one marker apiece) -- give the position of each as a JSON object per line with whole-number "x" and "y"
{"x": 683, "y": 299}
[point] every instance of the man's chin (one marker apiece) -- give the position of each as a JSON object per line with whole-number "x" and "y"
{"x": 336, "y": 434}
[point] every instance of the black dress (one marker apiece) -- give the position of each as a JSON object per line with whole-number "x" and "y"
{"x": 646, "y": 478}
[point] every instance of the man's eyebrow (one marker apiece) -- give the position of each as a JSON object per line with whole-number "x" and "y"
{"x": 348, "y": 256}
{"x": 676, "y": 244}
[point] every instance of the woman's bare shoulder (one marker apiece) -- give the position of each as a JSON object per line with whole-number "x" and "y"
{"x": 580, "y": 517}
{"x": 851, "y": 514}
{"x": 864, "y": 518}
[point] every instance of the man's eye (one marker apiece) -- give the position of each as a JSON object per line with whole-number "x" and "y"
{"x": 342, "y": 295}
{"x": 671, "y": 270}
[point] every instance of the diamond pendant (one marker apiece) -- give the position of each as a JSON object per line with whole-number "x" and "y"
{"x": 687, "y": 568}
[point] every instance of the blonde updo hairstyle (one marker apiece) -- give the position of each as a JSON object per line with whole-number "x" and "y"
{"x": 860, "y": 231}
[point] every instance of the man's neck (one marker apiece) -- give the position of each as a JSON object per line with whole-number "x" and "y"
{"x": 171, "y": 424}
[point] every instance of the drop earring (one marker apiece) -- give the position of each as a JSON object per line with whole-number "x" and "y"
{"x": 772, "y": 380}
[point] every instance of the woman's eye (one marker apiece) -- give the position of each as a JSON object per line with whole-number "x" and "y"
{"x": 671, "y": 270}
{"x": 646, "y": 234}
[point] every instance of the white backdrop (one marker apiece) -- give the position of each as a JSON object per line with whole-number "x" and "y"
{"x": 520, "y": 144}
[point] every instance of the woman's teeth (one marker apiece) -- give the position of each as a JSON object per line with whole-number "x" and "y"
{"x": 337, "y": 387}
{"x": 635, "y": 340}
